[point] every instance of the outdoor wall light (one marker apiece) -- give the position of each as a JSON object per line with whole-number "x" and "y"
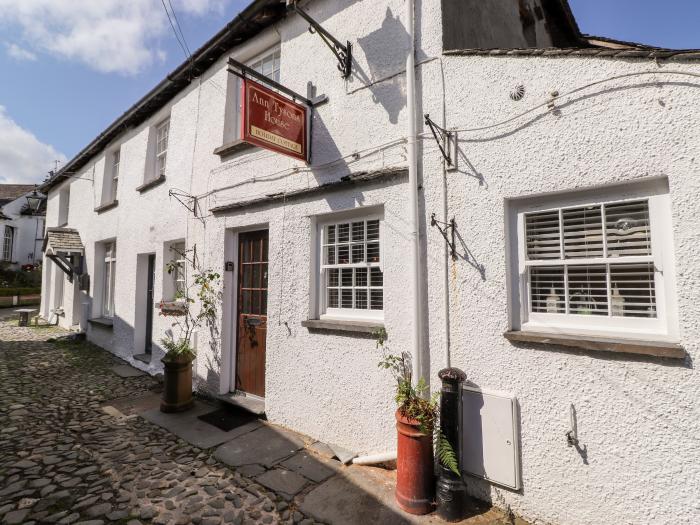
{"x": 34, "y": 200}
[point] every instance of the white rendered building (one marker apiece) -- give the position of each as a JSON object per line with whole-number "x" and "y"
{"x": 572, "y": 181}
{"x": 21, "y": 229}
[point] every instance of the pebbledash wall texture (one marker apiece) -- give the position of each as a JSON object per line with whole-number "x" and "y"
{"x": 636, "y": 415}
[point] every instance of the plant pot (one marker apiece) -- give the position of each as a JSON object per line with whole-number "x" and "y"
{"x": 177, "y": 384}
{"x": 415, "y": 479}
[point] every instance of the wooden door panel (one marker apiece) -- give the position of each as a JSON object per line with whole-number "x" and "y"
{"x": 251, "y": 319}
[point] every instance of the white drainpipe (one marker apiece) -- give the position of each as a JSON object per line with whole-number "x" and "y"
{"x": 415, "y": 267}
{"x": 373, "y": 459}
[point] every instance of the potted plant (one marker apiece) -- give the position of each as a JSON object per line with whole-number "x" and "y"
{"x": 418, "y": 432}
{"x": 189, "y": 316}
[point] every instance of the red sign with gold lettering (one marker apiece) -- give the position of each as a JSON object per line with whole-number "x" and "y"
{"x": 274, "y": 122}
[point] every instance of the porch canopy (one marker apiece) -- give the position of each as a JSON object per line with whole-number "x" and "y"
{"x": 64, "y": 247}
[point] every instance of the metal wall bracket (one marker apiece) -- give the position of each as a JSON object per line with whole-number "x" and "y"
{"x": 343, "y": 53}
{"x": 449, "y": 137}
{"x": 444, "y": 228}
{"x": 243, "y": 71}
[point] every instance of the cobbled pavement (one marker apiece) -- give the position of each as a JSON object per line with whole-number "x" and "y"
{"x": 63, "y": 460}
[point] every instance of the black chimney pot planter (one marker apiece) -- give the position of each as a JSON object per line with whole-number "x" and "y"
{"x": 451, "y": 491}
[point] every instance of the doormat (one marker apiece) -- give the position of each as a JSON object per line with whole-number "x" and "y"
{"x": 228, "y": 418}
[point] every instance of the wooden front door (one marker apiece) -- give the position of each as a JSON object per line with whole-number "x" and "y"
{"x": 252, "y": 312}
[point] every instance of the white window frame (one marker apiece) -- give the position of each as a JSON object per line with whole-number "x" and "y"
{"x": 232, "y": 129}
{"x": 116, "y": 160}
{"x": 178, "y": 276}
{"x": 8, "y": 242}
{"x": 326, "y": 312}
{"x": 109, "y": 278}
{"x": 63, "y": 206}
{"x": 664, "y": 326}
{"x": 162, "y": 136}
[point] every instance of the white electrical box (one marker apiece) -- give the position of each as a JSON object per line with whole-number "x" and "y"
{"x": 490, "y": 440}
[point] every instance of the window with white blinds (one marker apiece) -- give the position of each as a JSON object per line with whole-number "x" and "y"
{"x": 352, "y": 280}
{"x": 593, "y": 260}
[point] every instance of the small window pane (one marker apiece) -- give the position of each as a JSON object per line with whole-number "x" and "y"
{"x": 330, "y": 234}
{"x": 377, "y": 299}
{"x": 632, "y": 290}
{"x": 361, "y": 299}
{"x": 333, "y": 277}
{"x": 361, "y": 277}
{"x": 542, "y": 235}
{"x": 628, "y": 229}
{"x": 343, "y": 232}
{"x": 377, "y": 279}
{"x": 330, "y": 254}
{"x": 343, "y": 254}
{"x": 358, "y": 253}
{"x": 372, "y": 252}
{"x": 588, "y": 293}
{"x": 372, "y": 230}
{"x": 583, "y": 232}
{"x": 358, "y": 231}
{"x": 547, "y": 289}
{"x": 332, "y": 298}
{"x": 346, "y": 277}
{"x": 346, "y": 297}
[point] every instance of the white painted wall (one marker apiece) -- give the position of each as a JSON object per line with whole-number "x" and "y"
{"x": 27, "y": 243}
{"x": 636, "y": 416}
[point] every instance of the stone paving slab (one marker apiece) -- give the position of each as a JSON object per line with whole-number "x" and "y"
{"x": 265, "y": 446}
{"x": 281, "y": 480}
{"x": 188, "y": 426}
{"x": 127, "y": 371}
{"x": 366, "y": 495}
{"x": 311, "y": 466}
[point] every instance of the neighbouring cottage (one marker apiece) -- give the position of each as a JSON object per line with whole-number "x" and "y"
{"x": 553, "y": 190}
{"x": 21, "y": 226}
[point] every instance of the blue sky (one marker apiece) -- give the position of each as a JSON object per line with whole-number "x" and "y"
{"x": 64, "y": 82}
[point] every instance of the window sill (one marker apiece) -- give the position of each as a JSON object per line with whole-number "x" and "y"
{"x": 235, "y": 146}
{"x": 343, "y": 325}
{"x": 107, "y": 206}
{"x": 103, "y": 322}
{"x": 600, "y": 344}
{"x": 151, "y": 184}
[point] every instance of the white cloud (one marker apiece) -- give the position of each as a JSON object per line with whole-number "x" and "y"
{"x": 19, "y": 53}
{"x": 24, "y": 159}
{"x": 110, "y": 36}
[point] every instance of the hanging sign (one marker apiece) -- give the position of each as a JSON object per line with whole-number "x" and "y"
{"x": 274, "y": 122}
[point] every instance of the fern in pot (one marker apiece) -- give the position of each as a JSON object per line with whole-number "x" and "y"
{"x": 418, "y": 431}
{"x": 194, "y": 306}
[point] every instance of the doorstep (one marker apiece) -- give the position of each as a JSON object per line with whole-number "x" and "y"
{"x": 253, "y": 404}
{"x": 187, "y": 425}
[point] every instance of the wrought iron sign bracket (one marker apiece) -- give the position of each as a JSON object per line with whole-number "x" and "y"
{"x": 343, "y": 53}
{"x": 448, "y": 137}
{"x": 243, "y": 71}
{"x": 447, "y": 230}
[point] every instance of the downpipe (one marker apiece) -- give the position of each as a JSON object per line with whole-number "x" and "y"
{"x": 416, "y": 353}
{"x": 373, "y": 459}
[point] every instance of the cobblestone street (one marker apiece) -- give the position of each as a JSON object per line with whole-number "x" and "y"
{"x": 64, "y": 460}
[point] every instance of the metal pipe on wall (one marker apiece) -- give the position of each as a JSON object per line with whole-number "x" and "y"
{"x": 416, "y": 344}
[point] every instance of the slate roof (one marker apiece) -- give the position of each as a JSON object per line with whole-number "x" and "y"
{"x": 260, "y": 14}
{"x": 62, "y": 240}
{"x": 642, "y": 52}
{"x": 9, "y": 192}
